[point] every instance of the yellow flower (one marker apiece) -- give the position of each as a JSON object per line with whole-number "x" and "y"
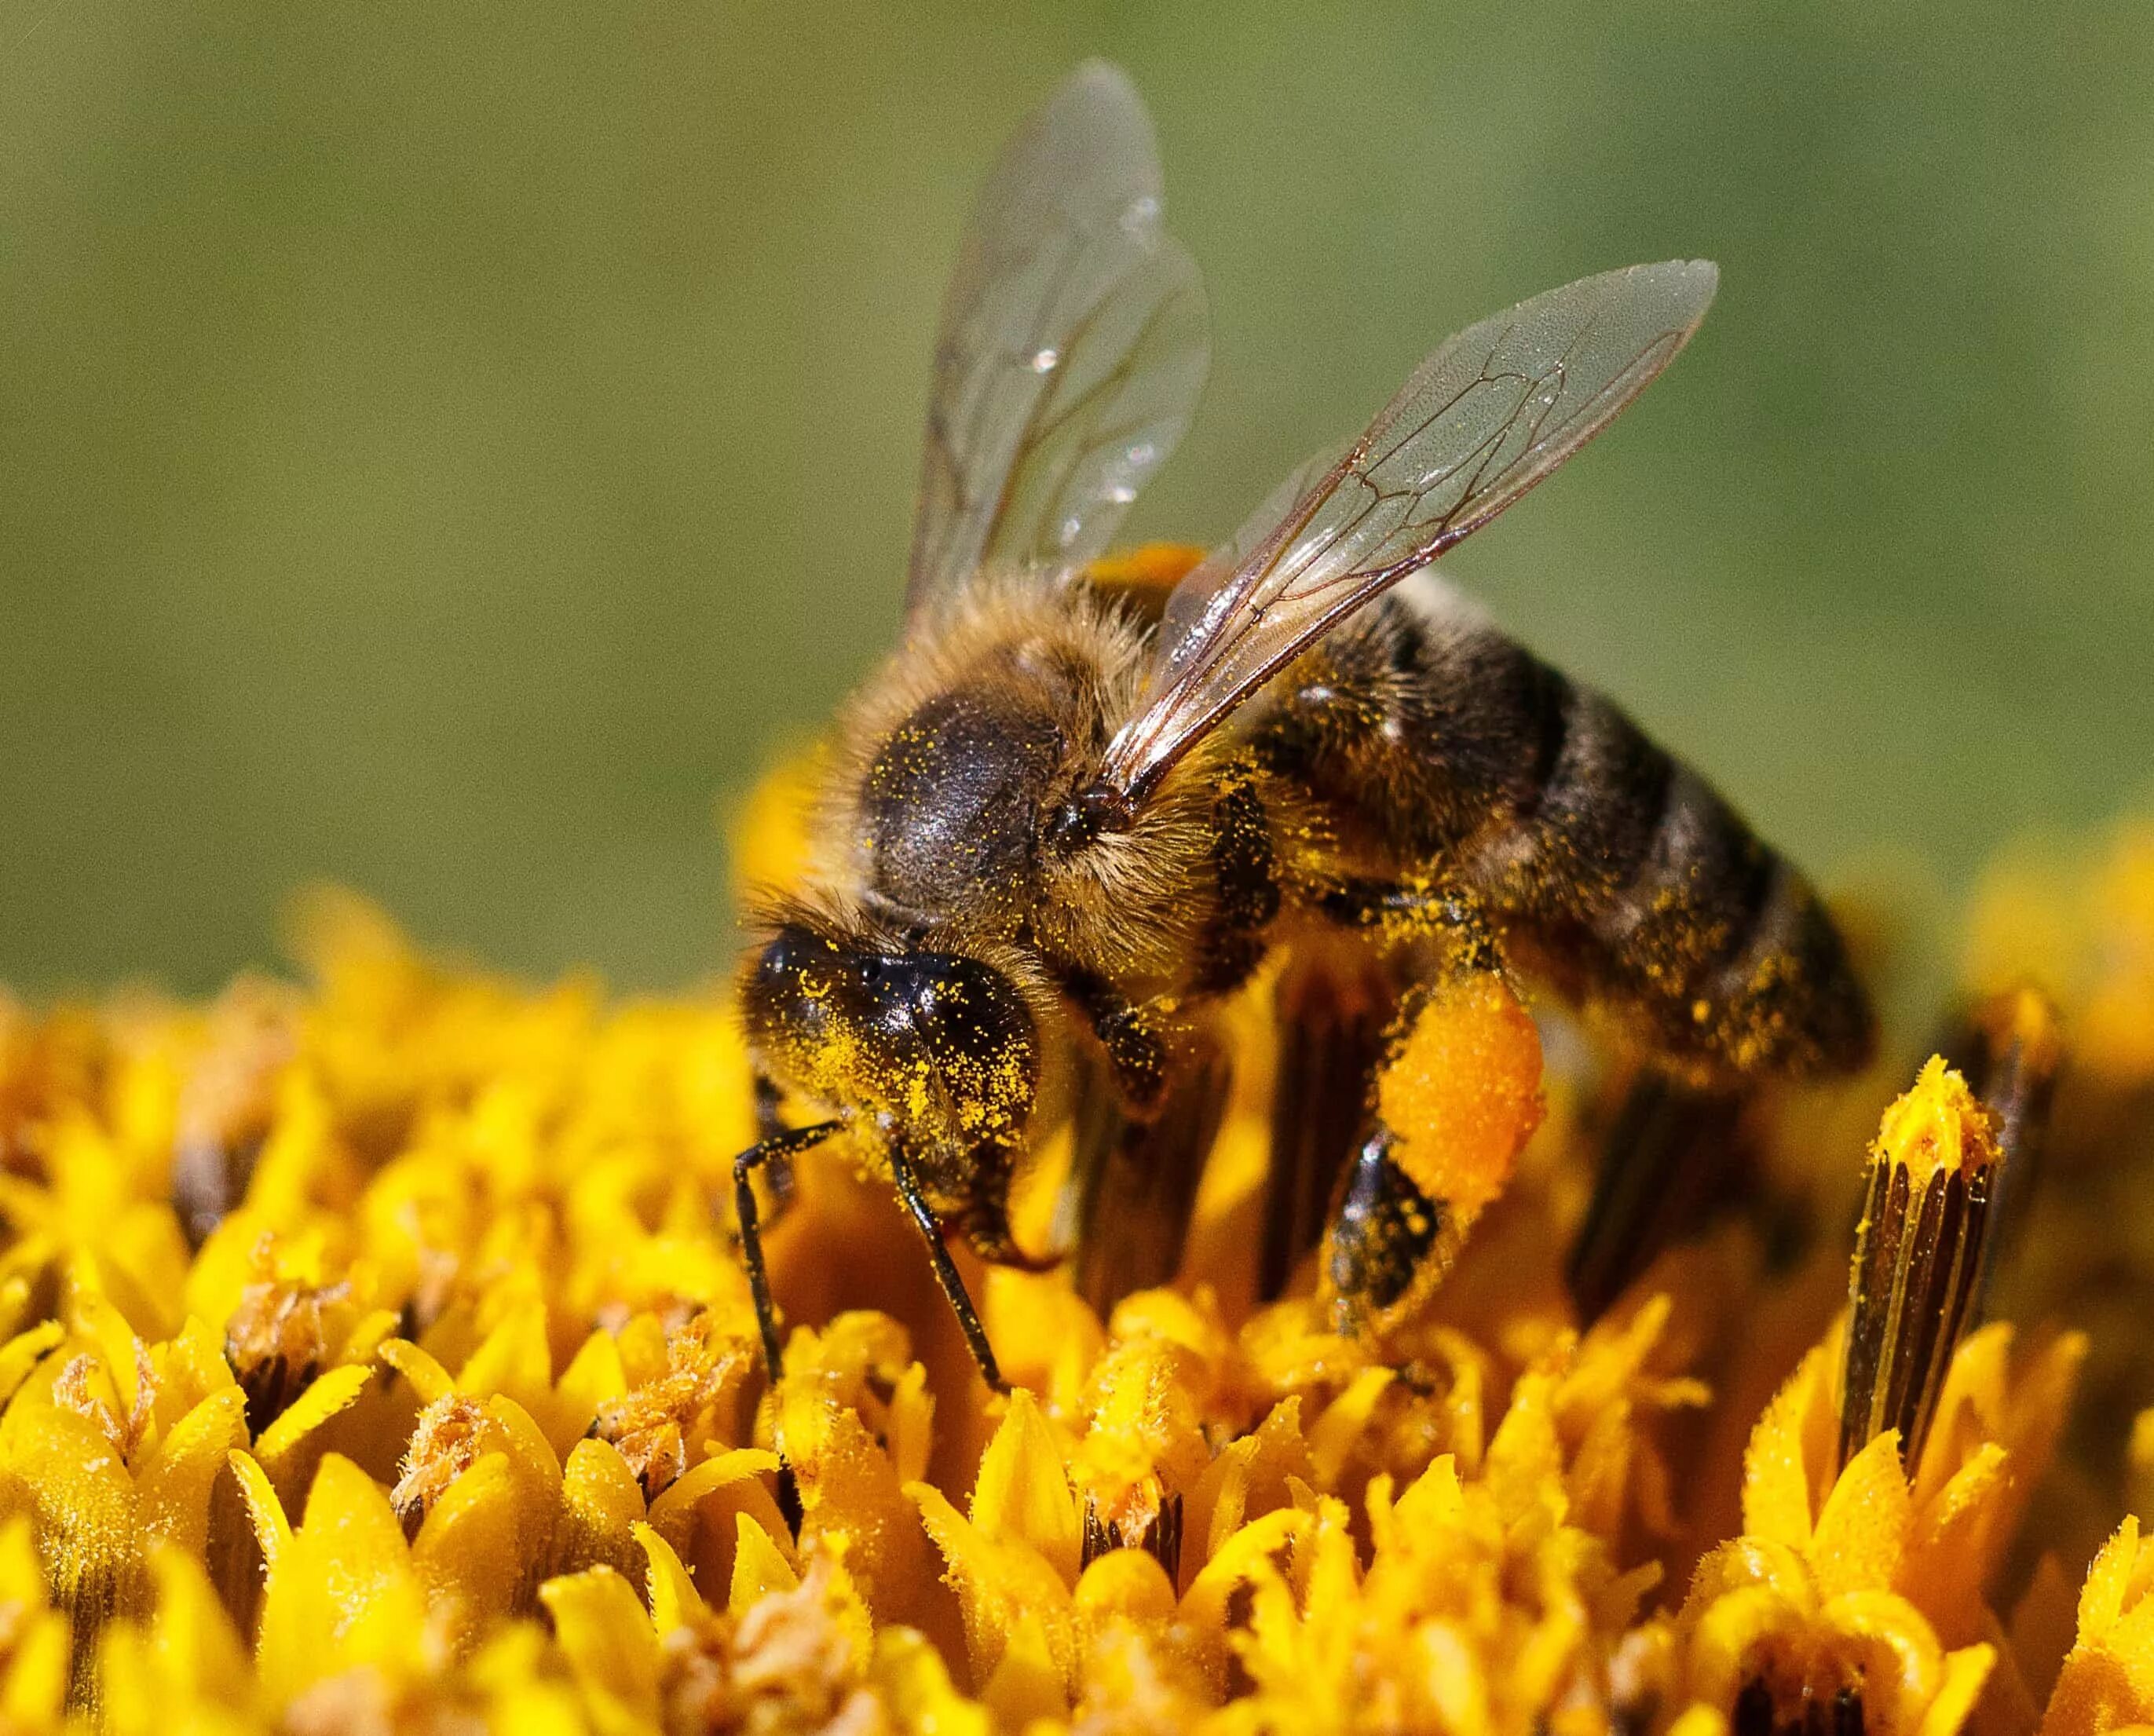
{"x": 375, "y": 1354}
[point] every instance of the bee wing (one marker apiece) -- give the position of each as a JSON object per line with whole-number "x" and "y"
{"x": 1487, "y": 416}
{"x": 1073, "y": 345}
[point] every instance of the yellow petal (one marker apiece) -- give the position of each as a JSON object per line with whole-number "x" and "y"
{"x": 759, "y": 1568}
{"x": 35, "y": 1686}
{"x": 472, "y": 1551}
{"x": 272, "y": 1529}
{"x": 198, "y": 1650}
{"x": 673, "y": 1511}
{"x": 1125, "y": 1584}
{"x": 88, "y": 1518}
{"x": 431, "y": 1380}
{"x": 608, "y": 1643}
{"x": 336, "y": 1390}
{"x": 1524, "y": 1468}
{"x": 1022, "y": 1492}
{"x": 1776, "y": 1474}
{"x": 1027, "y": 1685}
{"x": 23, "y": 1352}
{"x": 1345, "y": 1419}
{"x": 515, "y": 1361}
{"x": 600, "y": 1503}
{"x": 1966, "y": 1671}
{"x": 668, "y": 1588}
{"x": 1901, "y": 1664}
{"x": 1862, "y": 1535}
{"x": 1203, "y": 1606}
{"x": 998, "y": 1583}
{"x": 1949, "y": 1554}
{"x": 593, "y": 1376}
{"x": 1724, "y": 1638}
{"x": 912, "y": 1681}
{"x": 851, "y": 1498}
{"x": 342, "y": 1593}
{"x": 176, "y": 1480}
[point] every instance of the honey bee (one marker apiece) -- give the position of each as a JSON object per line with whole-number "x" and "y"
{"x": 1085, "y": 801}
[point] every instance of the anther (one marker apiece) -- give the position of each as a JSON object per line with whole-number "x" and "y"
{"x": 1918, "y": 1260}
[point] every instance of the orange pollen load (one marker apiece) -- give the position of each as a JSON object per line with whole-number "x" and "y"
{"x": 1466, "y": 1081}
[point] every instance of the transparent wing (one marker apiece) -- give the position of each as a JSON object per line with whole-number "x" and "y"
{"x": 1483, "y": 419}
{"x": 1073, "y": 345}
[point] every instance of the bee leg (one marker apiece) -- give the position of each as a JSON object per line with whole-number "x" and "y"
{"x": 903, "y": 1173}
{"x": 778, "y": 1147}
{"x": 1390, "y": 912}
{"x": 1670, "y": 1152}
{"x": 987, "y": 1223}
{"x": 1387, "y": 1239}
{"x": 778, "y": 1172}
{"x": 1333, "y": 1006}
{"x": 1134, "y": 1178}
{"x": 1130, "y": 1037}
{"x": 1391, "y": 1240}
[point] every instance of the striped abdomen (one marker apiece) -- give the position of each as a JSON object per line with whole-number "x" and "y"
{"x": 1446, "y": 748}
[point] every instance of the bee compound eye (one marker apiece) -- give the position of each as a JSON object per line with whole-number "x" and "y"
{"x": 790, "y": 954}
{"x": 780, "y": 958}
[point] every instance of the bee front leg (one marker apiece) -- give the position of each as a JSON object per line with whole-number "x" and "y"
{"x": 1130, "y": 1037}
{"x": 778, "y": 1147}
{"x": 904, "y": 1172}
{"x": 992, "y": 1168}
{"x": 769, "y": 1123}
{"x": 1143, "y": 1132}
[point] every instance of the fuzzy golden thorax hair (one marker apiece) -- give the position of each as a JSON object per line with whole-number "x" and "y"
{"x": 997, "y": 706}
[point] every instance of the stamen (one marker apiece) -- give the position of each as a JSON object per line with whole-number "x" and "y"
{"x": 1918, "y": 1258}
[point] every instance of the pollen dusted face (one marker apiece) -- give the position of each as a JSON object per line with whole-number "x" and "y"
{"x": 943, "y": 1042}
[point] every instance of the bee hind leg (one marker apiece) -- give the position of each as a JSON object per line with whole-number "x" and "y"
{"x": 1126, "y": 1211}
{"x": 1452, "y": 1095}
{"x": 1671, "y": 1155}
{"x": 1388, "y": 1242}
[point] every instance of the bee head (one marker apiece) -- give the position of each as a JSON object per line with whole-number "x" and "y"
{"x": 937, "y": 1038}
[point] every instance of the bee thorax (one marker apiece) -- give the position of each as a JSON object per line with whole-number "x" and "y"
{"x": 952, "y": 798}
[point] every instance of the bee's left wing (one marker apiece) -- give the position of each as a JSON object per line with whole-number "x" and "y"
{"x": 1073, "y": 345}
{"x": 1487, "y": 416}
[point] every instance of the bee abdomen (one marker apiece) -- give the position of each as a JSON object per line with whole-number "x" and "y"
{"x": 1671, "y": 906}
{"x": 1628, "y": 881}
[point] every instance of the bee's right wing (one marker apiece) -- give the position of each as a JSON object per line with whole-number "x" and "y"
{"x": 1073, "y": 345}
{"x": 1487, "y": 416}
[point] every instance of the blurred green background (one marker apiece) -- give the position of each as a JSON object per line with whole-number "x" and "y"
{"x": 449, "y": 449}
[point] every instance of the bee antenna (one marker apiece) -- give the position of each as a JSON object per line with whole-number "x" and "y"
{"x": 1099, "y": 807}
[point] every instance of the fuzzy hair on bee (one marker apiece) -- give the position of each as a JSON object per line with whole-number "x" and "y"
{"x": 995, "y": 709}
{"x": 1081, "y": 805}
